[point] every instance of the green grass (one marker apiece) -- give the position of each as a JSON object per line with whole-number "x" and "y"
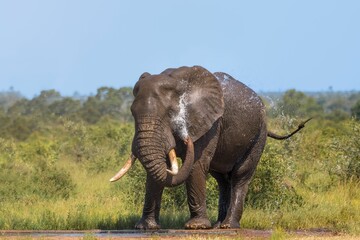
{"x": 336, "y": 210}
{"x": 98, "y": 208}
{"x": 312, "y": 166}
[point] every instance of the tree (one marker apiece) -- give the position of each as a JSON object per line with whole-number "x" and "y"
{"x": 90, "y": 111}
{"x": 39, "y": 105}
{"x": 65, "y": 107}
{"x": 108, "y": 102}
{"x": 18, "y": 108}
{"x": 8, "y": 99}
{"x": 355, "y": 110}
{"x": 295, "y": 103}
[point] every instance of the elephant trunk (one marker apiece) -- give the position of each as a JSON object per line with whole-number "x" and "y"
{"x": 172, "y": 181}
{"x": 152, "y": 149}
{"x": 151, "y": 152}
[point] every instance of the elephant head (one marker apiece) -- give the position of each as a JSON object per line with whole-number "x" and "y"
{"x": 178, "y": 104}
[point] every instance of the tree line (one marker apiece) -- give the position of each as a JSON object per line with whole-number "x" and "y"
{"x": 20, "y": 116}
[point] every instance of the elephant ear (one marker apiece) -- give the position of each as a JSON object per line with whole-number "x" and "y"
{"x": 202, "y": 97}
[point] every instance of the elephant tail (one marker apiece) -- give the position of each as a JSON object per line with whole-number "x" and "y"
{"x": 278, "y": 137}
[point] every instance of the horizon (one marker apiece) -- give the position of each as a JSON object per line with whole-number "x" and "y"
{"x": 81, "y": 95}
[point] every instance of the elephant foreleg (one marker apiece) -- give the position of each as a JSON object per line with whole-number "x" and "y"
{"x": 151, "y": 210}
{"x": 196, "y": 192}
{"x": 196, "y": 183}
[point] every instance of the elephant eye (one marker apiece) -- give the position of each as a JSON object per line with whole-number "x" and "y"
{"x": 171, "y": 112}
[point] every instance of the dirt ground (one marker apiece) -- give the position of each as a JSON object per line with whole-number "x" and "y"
{"x": 172, "y": 234}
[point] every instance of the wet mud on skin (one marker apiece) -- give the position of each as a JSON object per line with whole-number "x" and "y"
{"x": 161, "y": 234}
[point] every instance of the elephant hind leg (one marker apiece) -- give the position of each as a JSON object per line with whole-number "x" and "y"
{"x": 240, "y": 179}
{"x": 235, "y": 210}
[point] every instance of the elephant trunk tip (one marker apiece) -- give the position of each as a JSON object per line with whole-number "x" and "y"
{"x": 184, "y": 172}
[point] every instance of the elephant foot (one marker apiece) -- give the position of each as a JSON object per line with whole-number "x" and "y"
{"x": 198, "y": 223}
{"x": 229, "y": 224}
{"x": 217, "y": 225}
{"x": 147, "y": 224}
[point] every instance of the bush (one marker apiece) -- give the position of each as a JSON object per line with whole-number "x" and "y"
{"x": 98, "y": 147}
{"x": 355, "y": 110}
{"x": 344, "y": 157}
{"x": 52, "y": 182}
{"x": 28, "y": 171}
{"x": 269, "y": 188}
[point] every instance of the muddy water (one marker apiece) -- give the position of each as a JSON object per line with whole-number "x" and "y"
{"x": 133, "y": 234}
{"x": 161, "y": 234}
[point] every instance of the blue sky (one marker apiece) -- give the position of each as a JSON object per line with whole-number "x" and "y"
{"x": 67, "y": 45}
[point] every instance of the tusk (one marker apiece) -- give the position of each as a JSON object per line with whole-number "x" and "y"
{"x": 124, "y": 169}
{"x": 174, "y": 163}
{"x": 185, "y": 170}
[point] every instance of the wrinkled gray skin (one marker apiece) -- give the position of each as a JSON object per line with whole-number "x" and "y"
{"x": 225, "y": 121}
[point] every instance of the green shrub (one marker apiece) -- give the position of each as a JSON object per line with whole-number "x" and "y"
{"x": 98, "y": 147}
{"x": 135, "y": 184}
{"x": 344, "y": 154}
{"x": 52, "y": 182}
{"x": 272, "y": 186}
{"x": 28, "y": 171}
{"x": 269, "y": 188}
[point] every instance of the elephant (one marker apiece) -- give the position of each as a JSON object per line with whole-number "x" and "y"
{"x": 214, "y": 123}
